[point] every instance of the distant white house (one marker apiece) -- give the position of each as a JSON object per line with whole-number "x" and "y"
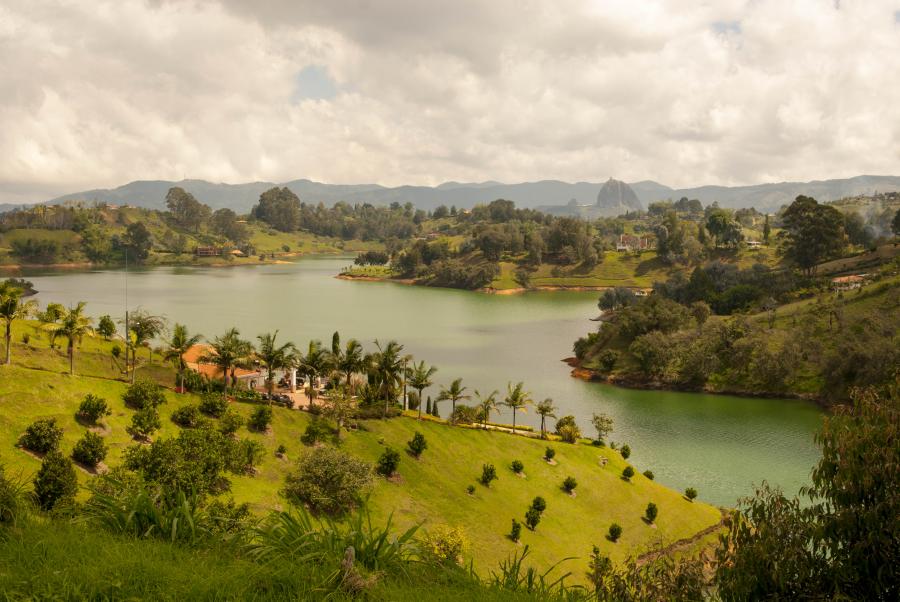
{"x": 754, "y": 244}
{"x": 630, "y": 242}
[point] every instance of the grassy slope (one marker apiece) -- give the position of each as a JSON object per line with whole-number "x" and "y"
{"x": 432, "y": 490}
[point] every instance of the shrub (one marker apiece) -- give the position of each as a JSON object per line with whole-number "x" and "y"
{"x": 615, "y": 532}
{"x": 470, "y": 489}
{"x": 628, "y": 473}
{"x": 488, "y": 474}
{"x": 625, "y": 451}
{"x": 144, "y": 423}
{"x": 315, "y": 432}
{"x": 417, "y": 444}
{"x": 213, "y": 405}
{"x": 539, "y": 504}
{"x": 92, "y": 408}
{"x": 516, "y": 531}
{"x": 187, "y": 416}
{"x": 90, "y": 450}
{"x": 281, "y": 450}
{"x": 245, "y": 454}
{"x": 569, "y": 484}
{"x": 144, "y": 393}
{"x": 55, "y": 482}
{"x": 648, "y": 474}
{"x": 446, "y": 545}
{"x": 651, "y": 512}
{"x": 607, "y": 359}
{"x": 388, "y": 462}
{"x": 532, "y": 518}
{"x": 41, "y": 436}
{"x": 517, "y": 466}
{"x": 549, "y": 453}
{"x": 569, "y": 433}
{"x": 260, "y": 419}
{"x": 230, "y": 422}
{"x": 13, "y": 505}
{"x": 567, "y": 421}
{"x": 328, "y": 480}
{"x": 690, "y": 493}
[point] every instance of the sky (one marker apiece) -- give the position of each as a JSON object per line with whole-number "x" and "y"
{"x": 97, "y": 93}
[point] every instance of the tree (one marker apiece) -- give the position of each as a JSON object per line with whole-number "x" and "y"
{"x": 690, "y": 493}
{"x": 227, "y": 352}
{"x": 137, "y": 242}
{"x": 419, "y": 378}
{"x": 55, "y": 482}
{"x": 351, "y": 361}
{"x": 340, "y": 408}
{"x": 90, "y": 450}
{"x": 328, "y": 480}
{"x": 545, "y": 409}
{"x": 812, "y": 233}
{"x": 767, "y": 231}
{"x": 603, "y": 425}
{"x": 615, "y": 532}
{"x": 73, "y": 325}
{"x": 455, "y": 392}
{"x": 179, "y": 344}
{"x": 12, "y": 308}
{"x": 260, "y": 419}
{"x": 488, "y": 474}
{"x": 388, "y": 462}
{"x": 895, "y": 223}
{"x": 532, "y": 518}
{"x": 417, "y": 444}
{"x": 143, "y": 327}
{"x": 273, "y": 356}
{"x": 517, "y": 399}
{"x": 92, "y": 408}
{"x": 144, "y": 423}
{"x": 280, "y": 208}
{"x": 388, "y": 371}
{"x": 628, "y": 473}
{"x": 41, "y": 436}
{"x": 106, "y": 328}
{"x": 701, "y": 312}
{"x": 486, "y": 405}
{"x": 312, "y": 364}
{"x": 615, "y": 298}
{"x": 569, "y": 484}
{"x": 186, "y": 210}
{"x": 651, "y": 512}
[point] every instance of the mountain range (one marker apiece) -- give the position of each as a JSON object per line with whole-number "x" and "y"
{"x": 541, "y": 194}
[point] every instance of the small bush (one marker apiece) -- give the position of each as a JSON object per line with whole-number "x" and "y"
{"x": 316, "y": 431}
{"x": 144, "y": 393}
{"x": 245, "y": 454}
{"x": 516, "y": 531}
{"x": 187, "y": 416}
{"x": 539, "y": 504}
{"x": 651, "y": 512}
{"x": 144, "y": 423}
{"x": 260, "y": 419}
{"x": 517, "y": 466}
{"x": 549, "y": 453}
{"x": 569, "y": 484}
{"x": 92, "y": 408}
{"x": 628, "y": 473}
{"x": 488, "y": 474}
{"x": 470, "y": 489}
{"x": 532, "y": 518}
{"x": 230, "y": 422}
{"x": 625, "y": 451}
{"x": 615, "y": 532}
{"x": 446, "y": 545}
{"x": 648, "y": 474}
{"x": 42, "y": 436}
{"x": 55, "y": 482}
{"x": 328, "y": 480}
{"x": 213, "y": 405}
{"x": 90, "y": 450}
{"x": 690, "y": 493}
{"x": 569, "y": 433}
{"x": 417, "y": 444}
{"x": 281, "y": 450}
{"x": 388, "y": 462}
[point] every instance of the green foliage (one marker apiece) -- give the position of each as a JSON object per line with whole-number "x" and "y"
{"x": 245, "y": 455}
{"x": 625, "y": 451}
{"x": 567, "y": 429}
{"x": 90, "y": 450}
{"x": 651, "y": 512}
{"x": 811, "y": 233}
{"x": 662, "y": 577}
{"x": 628, "y": 473}
{"x": 92, "y": 408}
{"x": 260, "y": 419}
{"x": 141, "y": 512}
{"x": 417, "y": 444}
{"x": 388, "y": 462}
{"x": 329, "y": 481}
{"x": 690, "y": 493}
{"x": 549, "y": 453}
{"x": 532, "y": 518}
{"x": 281, "y": 450}
{"x": 106, "y": 328}
{"x": 649, "y": 475}
{"x": 213, "y": 405}
{"x": 445, "y": 545}
{"x": 539, "y": 504}
{"x": 144, "y": 423}
{"x": 280, "y": 208}
{"x": 230, "y": 422}
{"x": 55, "y": 483}
{"x": 13, "y": 502}
{"x": 615, "y": 532}
{"x": 144, "y": 393}
{"x": 470, "y": 489}
{"x": 603, "y": 424}
{"x": 607, "y": 360}
{"x": 187, "y": 416}
{"x": 569, "y": 484}
{"x": 488, "y": 474}
{"x": 516, "y": 531}
{"x": 517, "y": 466}
{"x": 41, "y": 436}
{"x": 316, "y": 431}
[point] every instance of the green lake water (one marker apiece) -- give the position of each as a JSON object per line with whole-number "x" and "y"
{"x": 721, "y": 445}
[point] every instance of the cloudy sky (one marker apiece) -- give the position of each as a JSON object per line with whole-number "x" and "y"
{"x": 96, "y": 93}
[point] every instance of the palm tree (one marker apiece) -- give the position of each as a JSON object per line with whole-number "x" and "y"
{"x": 456, "y": 392}
{"x": 273, "y": 356}
{"x": 227, "y": 352}
{"x": 486, "y": 405}
{"x": 179, "y": 344}
{"x": 13, "y": 308}
{"x": 419, "y": 378}
{"x": 351, "y": 360}
{"x": 143, "y": 327}
{"x": 73, "y": 325}
{"x": 387, "y": 368}
{"x": 545, "y": 409}
{"x": 340, "y": 407}
{"x": 312, "y": 365}
{"x": 516, "y": 399}
{"x": 50, "y": 315}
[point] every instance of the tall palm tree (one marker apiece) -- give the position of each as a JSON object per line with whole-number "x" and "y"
{"x": 144, "y": 327}
{"x": 516, "y": 399}
{"x": 455, "y": 392}
{"x": 227, "y": 352}
{"x": 486, "y": 405}
{"x": 50, "y": 315}
{"x": 73, "y": 325}
{"x": 313, "y": 364}
{"x": 545, "y": 409}
{"x": 178, "y": 345}
{"x": 419, "y": 378}
{"x": 351, "y": 361}
{"x": 12, "y": 308}
{"x": 387, "y": 368}
{"x": 273, "y": 356}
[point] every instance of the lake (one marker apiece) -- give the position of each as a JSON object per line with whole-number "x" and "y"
{"x": 721, "y": 445}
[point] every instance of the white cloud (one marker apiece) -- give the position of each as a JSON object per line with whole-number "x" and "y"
{"x": 404, "y": 91}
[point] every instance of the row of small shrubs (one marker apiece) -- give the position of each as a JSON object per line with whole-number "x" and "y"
{"x": 43, "y": 437}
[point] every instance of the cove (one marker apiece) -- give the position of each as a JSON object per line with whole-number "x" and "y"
{"x": 721, "y": 445}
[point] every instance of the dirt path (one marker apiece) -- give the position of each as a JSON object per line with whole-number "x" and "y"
{"x": 681, "y": 544}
